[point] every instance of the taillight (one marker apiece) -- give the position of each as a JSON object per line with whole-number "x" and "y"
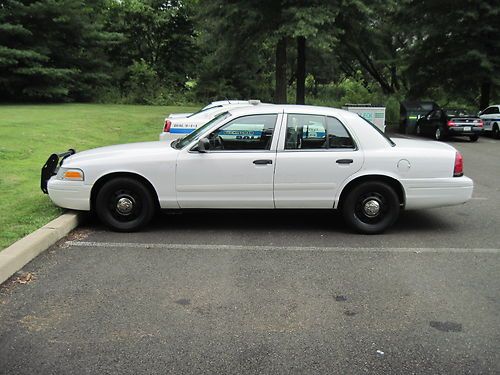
{"x": 479, "y": 123}
{"x": 167, "y": 126}
{"x": 451, "y": 123}
{"x": 458, "y": 171}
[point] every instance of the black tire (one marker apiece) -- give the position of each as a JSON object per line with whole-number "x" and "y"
{"x": 439, "y": 135}
{"x": 495, "y": 131}
{"x": 473, "y": 138}
{"x": 356, "y": 207}
{"x": 137, "y": 206}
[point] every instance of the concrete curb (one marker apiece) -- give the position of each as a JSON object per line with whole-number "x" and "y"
{"x": 17, "y": 255}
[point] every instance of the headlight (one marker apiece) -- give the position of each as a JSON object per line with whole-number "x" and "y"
{"x": 70, "y": 174}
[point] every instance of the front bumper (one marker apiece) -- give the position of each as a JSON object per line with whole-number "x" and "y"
{"x": 73, "y": 195}
{"x": 51, "y": 166}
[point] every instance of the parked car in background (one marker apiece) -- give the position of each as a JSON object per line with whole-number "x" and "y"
{"x": 491, "y": 119}
{"x": 263, "y": 157}
{"x": 443, "y": 123}
{"x": 179, "y": 125}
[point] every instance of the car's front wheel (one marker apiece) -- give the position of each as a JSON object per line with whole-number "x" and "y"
{"x": 496, "y": 131}
{"x": 124, "y": 204}
{"x": 371, "y": 207}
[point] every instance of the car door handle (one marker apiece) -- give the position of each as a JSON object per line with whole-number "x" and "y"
{"x": 263, "y": 161}
{"x": 345, "y": 161}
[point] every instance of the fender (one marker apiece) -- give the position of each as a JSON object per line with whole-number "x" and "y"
{"x": 370, "y": 173}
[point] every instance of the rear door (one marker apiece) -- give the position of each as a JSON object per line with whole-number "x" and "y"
{"x": 316, "y": 154}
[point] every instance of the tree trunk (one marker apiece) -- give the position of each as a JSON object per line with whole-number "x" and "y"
{"x": 281, "y": 83}
{"x": 301, "y": 70}
{"x": 484, "y": 101}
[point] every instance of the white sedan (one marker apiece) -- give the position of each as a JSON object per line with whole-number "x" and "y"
{"x": 263, "y": 157}
{"x": 491, "y": 118}
{"x": 181, "y": 124}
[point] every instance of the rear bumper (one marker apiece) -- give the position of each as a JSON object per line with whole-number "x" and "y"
{"x": 74, "y": 195}
{"x": 464, "y": 130}
{"x": 437, "y": 192}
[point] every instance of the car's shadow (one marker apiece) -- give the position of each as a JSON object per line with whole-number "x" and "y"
{"x": 279, "y": 221}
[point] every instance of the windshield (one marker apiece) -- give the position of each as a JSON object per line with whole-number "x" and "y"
{"x": 204, "y": 110}
{"x": 391, "y": 142}
{"x": 181, "y": 143}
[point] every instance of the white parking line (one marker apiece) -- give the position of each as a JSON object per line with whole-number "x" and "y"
{"x": 479, "y": 198}
{"x": 281, "y": 248}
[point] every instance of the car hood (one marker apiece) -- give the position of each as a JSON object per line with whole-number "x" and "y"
{"x": 124, "y": 151}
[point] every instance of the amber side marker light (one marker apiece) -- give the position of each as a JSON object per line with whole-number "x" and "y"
{"x": 73, "y": 175}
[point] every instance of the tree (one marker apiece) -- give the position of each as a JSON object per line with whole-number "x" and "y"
{"x": 459, "y": 54}
{"x": 242, "y": 38}
{"x": 156, "y": 33}
{"x": 52, "y": 49}
{"x": 311, "y": 21}
{"x": 371, "y": 42}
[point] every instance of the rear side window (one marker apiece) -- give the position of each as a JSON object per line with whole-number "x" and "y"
{"x": 310, "y": 132}
{"x": 338, "y": 137}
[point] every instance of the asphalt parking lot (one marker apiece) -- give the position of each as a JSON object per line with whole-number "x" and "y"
{"x": 269, "y": 293}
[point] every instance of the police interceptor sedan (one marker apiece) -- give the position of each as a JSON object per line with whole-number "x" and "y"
{"x": 263, "y": 157}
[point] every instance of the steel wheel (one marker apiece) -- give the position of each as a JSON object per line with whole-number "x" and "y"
{"x": 371, "y": 207}
{"x": 124, "y": 204}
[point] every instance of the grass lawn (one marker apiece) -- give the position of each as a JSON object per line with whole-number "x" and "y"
{"x": 30, "y": 133}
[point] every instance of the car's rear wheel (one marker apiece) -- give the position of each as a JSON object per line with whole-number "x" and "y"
{"x": 371, "y": 207}
{"x": 473, "y": 138}
{"x": 439, "y": 135}
{"x": 124, "y": 204}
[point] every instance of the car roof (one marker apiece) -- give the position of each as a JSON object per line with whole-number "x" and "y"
{"x": 229, "y": 102}
{"x": 291, "y": 108}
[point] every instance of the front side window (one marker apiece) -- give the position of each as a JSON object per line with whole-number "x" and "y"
{"x": 253, "y": 132}
{"x": 195, "y": 135}
{"x": 306, "y": 132}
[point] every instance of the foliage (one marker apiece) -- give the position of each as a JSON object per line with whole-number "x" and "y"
{"x": 441, "y": 52}
{"x": 174, "y": 51}
{"x": 52, "y": 49}
{"x": 157, "y": 36}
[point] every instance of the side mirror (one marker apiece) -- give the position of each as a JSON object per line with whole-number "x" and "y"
{"x": 203, "y": 145}
{"x": 479, "y": 113}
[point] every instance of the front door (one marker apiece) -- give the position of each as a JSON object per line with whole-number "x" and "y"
{"x": 318, "y": 155}
{"x": 238, "y": 169}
